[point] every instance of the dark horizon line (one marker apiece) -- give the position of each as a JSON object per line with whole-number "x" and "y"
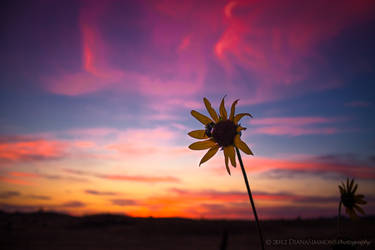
{"x": 45, "y": 212}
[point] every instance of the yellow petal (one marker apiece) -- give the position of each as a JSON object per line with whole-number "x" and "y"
{"x": 238, "y": 117}
{"x": 239, "y": 128}
{"x": 202, "y": 118}
{"x": 351, "y": 213}
{"x": 227, "y": 166}
{"x": 229, "y": 151}
{"x": 355, "y": 188}
{"x": 232, "y": 110}
{"x": 241, "y": 145}
{"x": 359, "y": 199}
{"x": 351, "y": 185}
{"x": 359, "y": 209}
{"x": 209, "y": 154}
{"x": 198, "y": 134}
{"x": 341, "y": 190}
{"x": 223, "y": 111}
{"x": 343, "y": 187}
{"x": 359, "y": 196}
{"x": 201, "y": 145}
{"x": 361, "y": 202}
{"x": 210, "y": 110}
{"x": 226, "y": 162}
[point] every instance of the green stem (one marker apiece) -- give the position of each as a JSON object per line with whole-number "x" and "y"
{"x": 339, "y": 219}
{"x": 251, "y": 198}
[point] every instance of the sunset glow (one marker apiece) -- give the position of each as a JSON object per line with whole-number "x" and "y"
{"x": 96, "y": 99}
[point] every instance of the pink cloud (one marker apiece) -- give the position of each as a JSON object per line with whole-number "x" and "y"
{"x": 131, "y": 149}
{"x": 356, "y": 169}
{"x": 46, "y": 146}
{"x": 165, "y": 77}
{"x": 149, "y": 179}
{"x": 294, "y": 126}
{"x": 74, "y": 84}
{"x": 276, "y": 42}
{"x": 292, "y": 121}
{"x": 96, "y": 73}
{"x": 331, "y": 166}
{"x": 143, "y": 150}
{"x": 84, "y": 144}
{"x": 124, "y": 177}
{"x": 39, "y": 149}
{"x": 178, "y": 50}
{"x": 157, "y": 135}
{"x": 129, "y": 142}
{"x": 24, "y": 174}
{"x": 16, "y": 181}
{"x": 93, "y": 143}
{"x": 293, "y": 131}
{"x": 144, "y": 142}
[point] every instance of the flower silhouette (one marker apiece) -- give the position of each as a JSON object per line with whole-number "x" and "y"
{"x": 222, "y": 131}
{"x": 350, "y": 199}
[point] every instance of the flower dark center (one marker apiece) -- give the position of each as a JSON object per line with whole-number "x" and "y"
{"x": 348, "y": 200}
{"x": 224, "y": 133}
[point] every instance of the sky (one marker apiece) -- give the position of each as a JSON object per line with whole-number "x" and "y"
{"x": 96, "y": 97}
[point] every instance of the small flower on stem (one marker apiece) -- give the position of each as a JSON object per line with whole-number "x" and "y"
{"x": 350, "y": 199}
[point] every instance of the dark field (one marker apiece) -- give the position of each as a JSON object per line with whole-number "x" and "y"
{"x": 54, "y": 231}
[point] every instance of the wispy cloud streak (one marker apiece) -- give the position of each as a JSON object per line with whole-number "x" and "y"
{"x": 315, "y": 165}
{"x": 32, "y": 150}
{"x": 296, "y": 126}
{"x": 122, "y": 177}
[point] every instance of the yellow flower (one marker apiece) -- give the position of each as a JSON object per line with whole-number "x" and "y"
{"x": 220, "y": 132}
{"x": 350, "y": 199}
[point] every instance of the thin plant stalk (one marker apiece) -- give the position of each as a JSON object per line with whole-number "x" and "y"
{"x": 339, "y": 219}
{"x": 251, "y": 198}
